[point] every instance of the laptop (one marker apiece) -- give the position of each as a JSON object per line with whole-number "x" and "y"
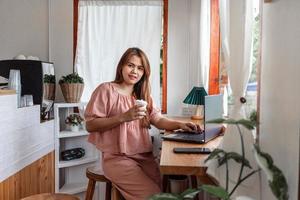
{"x": 213, "y": 108}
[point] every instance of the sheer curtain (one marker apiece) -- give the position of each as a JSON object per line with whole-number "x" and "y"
{"x": 236, "y": 35}
{"x": 106, "y": 29}
{"x": 204, "y": 42}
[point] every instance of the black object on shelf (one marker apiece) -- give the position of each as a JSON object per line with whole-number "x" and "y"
{"x": 31, "y": 76}
{"x": 71, "y": 154}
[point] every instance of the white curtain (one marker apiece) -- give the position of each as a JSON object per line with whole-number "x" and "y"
{"x": 106, "y": 29}
{"x": 204, "y": 42}
{"x": 236, "y": 39}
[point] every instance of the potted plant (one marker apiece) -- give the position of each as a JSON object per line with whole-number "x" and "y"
{"x": 72, "y": 87}
{"x": 276, "y": 180}
{"x": 74, "y": 121}
{"x": 49, "y": 87}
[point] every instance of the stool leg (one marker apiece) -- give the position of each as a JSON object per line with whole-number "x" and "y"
{"x": 108, "y": 191}
{"x": 115, "y": 194}
{"x": 195, "y": 185}
{"x": 165, "y": 182}
{"x": 90, "y": 190}
{"x": 194, "y": 181}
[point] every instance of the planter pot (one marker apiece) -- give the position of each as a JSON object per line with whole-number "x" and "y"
{"x": 72, "y": 92}
{"x": 74, "y": 128}
{"x": 49, "y": 91}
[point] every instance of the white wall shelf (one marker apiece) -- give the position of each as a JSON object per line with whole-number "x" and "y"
{"x": 76, "y": 162}
{"x": 70, "y": 175}
{"x": 65, "y": 134}
{"x": 73, "y": 188}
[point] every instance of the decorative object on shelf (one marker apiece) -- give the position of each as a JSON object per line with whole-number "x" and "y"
{"x": 71, "y": 154}
{"x": 20, "y": 57}
{"x": 49, "y": 87}
{"x": 14, "y": 83}
{"x": 196, "y": 97}
{"x": 47, "y": 105}
{"x": 71, "y": 87}
{"x": 3, "y": 82}
{"x": 75, "y": 121}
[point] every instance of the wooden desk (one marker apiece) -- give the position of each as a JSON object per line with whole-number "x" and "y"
{"x": 184, "y": 164}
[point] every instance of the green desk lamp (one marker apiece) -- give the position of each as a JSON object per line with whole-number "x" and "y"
{"x": 196, "y": 97}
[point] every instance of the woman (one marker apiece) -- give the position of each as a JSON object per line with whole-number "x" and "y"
{"x": 119, "y": 127}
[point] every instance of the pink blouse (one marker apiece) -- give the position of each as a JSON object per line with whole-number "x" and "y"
{"x": 129, "y": 137}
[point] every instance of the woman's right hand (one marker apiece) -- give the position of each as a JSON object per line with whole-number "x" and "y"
{"x": 135, "y": 112}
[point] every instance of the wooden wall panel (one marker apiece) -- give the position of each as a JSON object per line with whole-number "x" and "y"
{"x": 33, "y": 179}
{"x": 214, "y": 48}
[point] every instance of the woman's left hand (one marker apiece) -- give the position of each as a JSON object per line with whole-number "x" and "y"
{"x": 189, "y": 126}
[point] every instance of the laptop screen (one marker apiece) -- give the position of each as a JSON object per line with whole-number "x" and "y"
{"x": 213, "y": 109}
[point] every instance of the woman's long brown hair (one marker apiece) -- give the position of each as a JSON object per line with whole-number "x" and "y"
{"x": 141, "y": 89}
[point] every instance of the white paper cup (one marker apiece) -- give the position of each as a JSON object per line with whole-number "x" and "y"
{"x": 141, "y": 102}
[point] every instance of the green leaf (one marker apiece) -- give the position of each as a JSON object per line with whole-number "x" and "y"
{"x": 190, "y": 193}
{"x": 276, "y": 178}
{"x": 215, "y": 154}
{"x": 244, "y": 122}
{"x": 216, "y": 121}
{"x": 71, "y": 78}
{"x": 250, "y": 125}
{"x": 166, "y": 196}
{"x": 236, "y": 157}
{"x": 216, "y": 191}
{"x": 49, "y": 78}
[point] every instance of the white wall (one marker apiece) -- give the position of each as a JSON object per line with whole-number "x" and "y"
{"x": 183, "y": 52}
{"x": 61, "y": 39}
{"x": 280, "y": 90}
{"x": 24, "y": 28}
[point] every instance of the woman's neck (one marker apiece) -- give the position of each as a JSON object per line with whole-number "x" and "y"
{"x": 125, "y": 88}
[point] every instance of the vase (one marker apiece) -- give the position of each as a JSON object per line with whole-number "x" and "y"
{"x": 74, "y": 128}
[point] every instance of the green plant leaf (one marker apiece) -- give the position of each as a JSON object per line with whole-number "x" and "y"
{"x": 276, "y": 178}
{"x": 215, "y": 154}
{"x": 71, "y": 78}
{"x": 216, "y": 191}
{"x": 166, "y": 196}
{"x": 236, "y": 157}
{"x": 49, "y": 78}
{"x": 190, "y": 193}
{"x": 216, "y": 121}
{"x": 222, "y": 121}
{"x": 250, "y": 125}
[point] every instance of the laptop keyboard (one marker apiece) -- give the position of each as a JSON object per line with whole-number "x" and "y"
{"x": 190, "y": 132}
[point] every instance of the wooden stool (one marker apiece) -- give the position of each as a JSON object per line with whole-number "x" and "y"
{"x": 94, "y": 174}
{"x": 48, "y": 196}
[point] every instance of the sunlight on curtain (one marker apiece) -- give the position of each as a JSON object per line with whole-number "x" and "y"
{"x": 106, "y": 29}
{"x": 236, "y": 37}
{"x": 204, "y": 42}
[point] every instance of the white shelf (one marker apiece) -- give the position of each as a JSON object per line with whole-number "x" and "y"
{"x": 71, "y": 175}
{"x": 75, "y": 162}
{"x": 66, "y": 134}
{"x": 73, "y": 188}
{"x": 68, "y": 105}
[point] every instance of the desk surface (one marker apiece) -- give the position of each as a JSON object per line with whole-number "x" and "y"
{"x": 184, "y": 164}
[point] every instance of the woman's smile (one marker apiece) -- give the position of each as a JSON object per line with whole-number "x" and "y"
{"x": 133, "y": 70}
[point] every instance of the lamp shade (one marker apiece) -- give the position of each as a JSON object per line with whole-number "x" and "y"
{"x": 196, "y": 96}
